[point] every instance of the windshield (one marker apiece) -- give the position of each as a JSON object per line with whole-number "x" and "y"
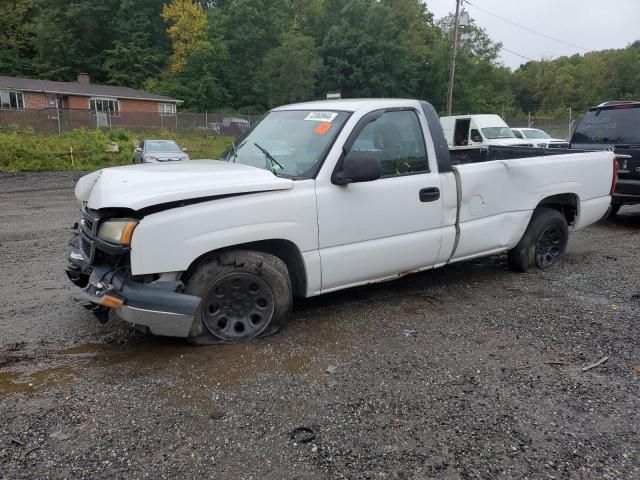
{"x": 288, "y": 143}
{"x": 616, "y": 126}
{"x": 498, "y": 132}
{"x": 535, "y": 133}
{"x": 161, "y": 146}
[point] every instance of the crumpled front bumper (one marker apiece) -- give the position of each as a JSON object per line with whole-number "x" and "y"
{"x": 157, "y": 306}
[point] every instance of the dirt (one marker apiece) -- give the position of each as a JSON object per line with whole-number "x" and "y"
{"x": 470, "y": 371}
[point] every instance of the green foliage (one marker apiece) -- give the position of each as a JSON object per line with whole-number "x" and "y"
{"x": 248, "y": 55}
{"x": 290, "y": 71}
{"x": 73, "y": 37}
{"x": 18, "y": 53}
{"x": 141, "y": 47}
{"x": 22, "y": 150}
{"x": 580, "y": 81}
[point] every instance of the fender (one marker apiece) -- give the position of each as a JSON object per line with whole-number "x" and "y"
{"x": 171, "y": 240}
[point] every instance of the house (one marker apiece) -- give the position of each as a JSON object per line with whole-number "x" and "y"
{"x": 24, "y": 94}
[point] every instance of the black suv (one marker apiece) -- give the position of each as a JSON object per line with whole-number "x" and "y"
{"x": 616, "y": 126}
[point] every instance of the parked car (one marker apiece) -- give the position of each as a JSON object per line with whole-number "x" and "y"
{"x": 462, "y": 131}
{"x": 317, "y": 197}
{"x": 615, "y": 126}
{"x": 215, "y": 127}
{"x": 154, "y": 151}
{"x": 241, "y": 122}
{"x": 540, "y": 138}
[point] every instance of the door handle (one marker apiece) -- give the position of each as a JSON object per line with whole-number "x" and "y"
{"x": 429, "y": 194}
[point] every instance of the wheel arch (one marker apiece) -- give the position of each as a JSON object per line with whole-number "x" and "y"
{"x": 566, "y": 203}
{"x": 285, "y": 250}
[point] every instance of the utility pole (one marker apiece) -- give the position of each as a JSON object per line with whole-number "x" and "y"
{"x": 454, "y": 53}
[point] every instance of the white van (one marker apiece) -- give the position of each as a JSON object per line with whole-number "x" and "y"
{"x": 463, "y": 131}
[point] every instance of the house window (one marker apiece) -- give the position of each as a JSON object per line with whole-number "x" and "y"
{"x": 11, "y": 100}
{"x": 105, "y": 105}
{"x": 166, "y": 109}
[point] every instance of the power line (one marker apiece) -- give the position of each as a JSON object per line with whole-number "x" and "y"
{"x": 526, "y": 28}
{"x": 518, "y": 54}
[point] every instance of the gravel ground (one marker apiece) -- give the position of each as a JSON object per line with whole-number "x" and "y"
{"x": 470, "y": 371}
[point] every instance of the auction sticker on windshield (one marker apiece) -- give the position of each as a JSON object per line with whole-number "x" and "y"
{"x": 321, "y": 116}
{"x": 323, "y": 128}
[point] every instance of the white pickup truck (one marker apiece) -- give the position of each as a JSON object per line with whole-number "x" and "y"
{"x": 314, "y": 198}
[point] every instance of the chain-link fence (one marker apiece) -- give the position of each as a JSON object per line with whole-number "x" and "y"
{"x": 50, "y": 121}
{"x": 556, "y": 127}
{"x": 58, "y": 121}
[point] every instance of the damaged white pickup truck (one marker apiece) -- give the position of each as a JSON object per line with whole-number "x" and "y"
{"x": 317, "y": 197}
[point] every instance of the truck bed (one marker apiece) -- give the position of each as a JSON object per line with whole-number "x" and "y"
{"x": 461, "y": 156}
{"x": 498, "y": 192}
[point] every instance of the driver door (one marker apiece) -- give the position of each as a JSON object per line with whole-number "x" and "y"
{"x": 379, "y": 229}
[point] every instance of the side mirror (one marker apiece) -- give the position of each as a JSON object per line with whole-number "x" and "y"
{"x": 138, "y": 149}
{"x": 357, "y": 167}
{"x": 184, "y": 149}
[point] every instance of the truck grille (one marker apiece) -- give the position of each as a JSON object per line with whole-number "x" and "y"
{"x": 88, "y": 231}
{"x": 88, "y": 250}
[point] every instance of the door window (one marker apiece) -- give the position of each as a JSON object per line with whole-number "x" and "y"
{"x": 475, "y": 136}
{"x": 396, "y": 141}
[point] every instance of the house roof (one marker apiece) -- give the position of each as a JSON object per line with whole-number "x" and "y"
{"x": 80, "y": 89}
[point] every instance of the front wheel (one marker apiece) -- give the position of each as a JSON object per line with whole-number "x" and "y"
{"x": 542, "y": 244}
{"x": 245, "y": 294}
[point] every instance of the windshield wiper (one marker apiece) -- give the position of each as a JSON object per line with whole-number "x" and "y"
{"x": 234, "y": 149}
{"x": 271, "y": 159}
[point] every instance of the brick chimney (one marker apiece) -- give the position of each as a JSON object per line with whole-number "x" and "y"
{"x": 84, "y": 79}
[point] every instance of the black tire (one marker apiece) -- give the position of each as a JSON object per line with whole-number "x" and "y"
{"x": 542, "y": 244}
{"x": 245, "y": 294}
{"x": 613, "y": 210}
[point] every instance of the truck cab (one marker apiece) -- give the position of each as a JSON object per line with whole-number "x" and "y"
{"x": 463, "y": 131}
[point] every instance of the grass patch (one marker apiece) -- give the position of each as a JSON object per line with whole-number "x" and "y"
{"x": 22, "y": 150}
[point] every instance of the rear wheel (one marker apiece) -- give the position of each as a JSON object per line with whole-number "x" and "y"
{"x": 542, "y": 244}
{"x": 245, "y": 294}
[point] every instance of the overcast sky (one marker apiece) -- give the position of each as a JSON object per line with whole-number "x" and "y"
{"x": 591, "y": 24}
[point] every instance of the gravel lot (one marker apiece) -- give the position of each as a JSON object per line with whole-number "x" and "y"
{"x": 470, "y": 371}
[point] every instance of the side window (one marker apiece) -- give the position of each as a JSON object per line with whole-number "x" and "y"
{"x": 475, "y": 136}
{"x": 517, "y": 133}
{"x": 396, "y": 140}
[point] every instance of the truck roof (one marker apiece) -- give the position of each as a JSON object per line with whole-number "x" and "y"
{"x": 350, "y": 105}
{"x": 482, "y": 120}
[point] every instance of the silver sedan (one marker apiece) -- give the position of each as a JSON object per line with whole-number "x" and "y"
{"x": 154, "y": 151}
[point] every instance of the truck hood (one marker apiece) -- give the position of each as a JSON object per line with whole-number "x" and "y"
{"x": 140, "y": 186}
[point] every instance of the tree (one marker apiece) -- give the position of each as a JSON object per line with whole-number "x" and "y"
{"x": 482, "y": 84}
{"x": 378, "y": 48}
{"x": 290, "y": 70}
{"x": 72, "y": 37}
{"x": 249, "y": 29}
{"x": 18, "y": 53}
{"x": 141, "y": 45}
{"x": 188, "y": 30}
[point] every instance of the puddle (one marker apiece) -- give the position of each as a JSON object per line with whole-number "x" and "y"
{"x": 17, "y": 382}
{"x": 307, "y": 346}
{"x": 87, "y": 349}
